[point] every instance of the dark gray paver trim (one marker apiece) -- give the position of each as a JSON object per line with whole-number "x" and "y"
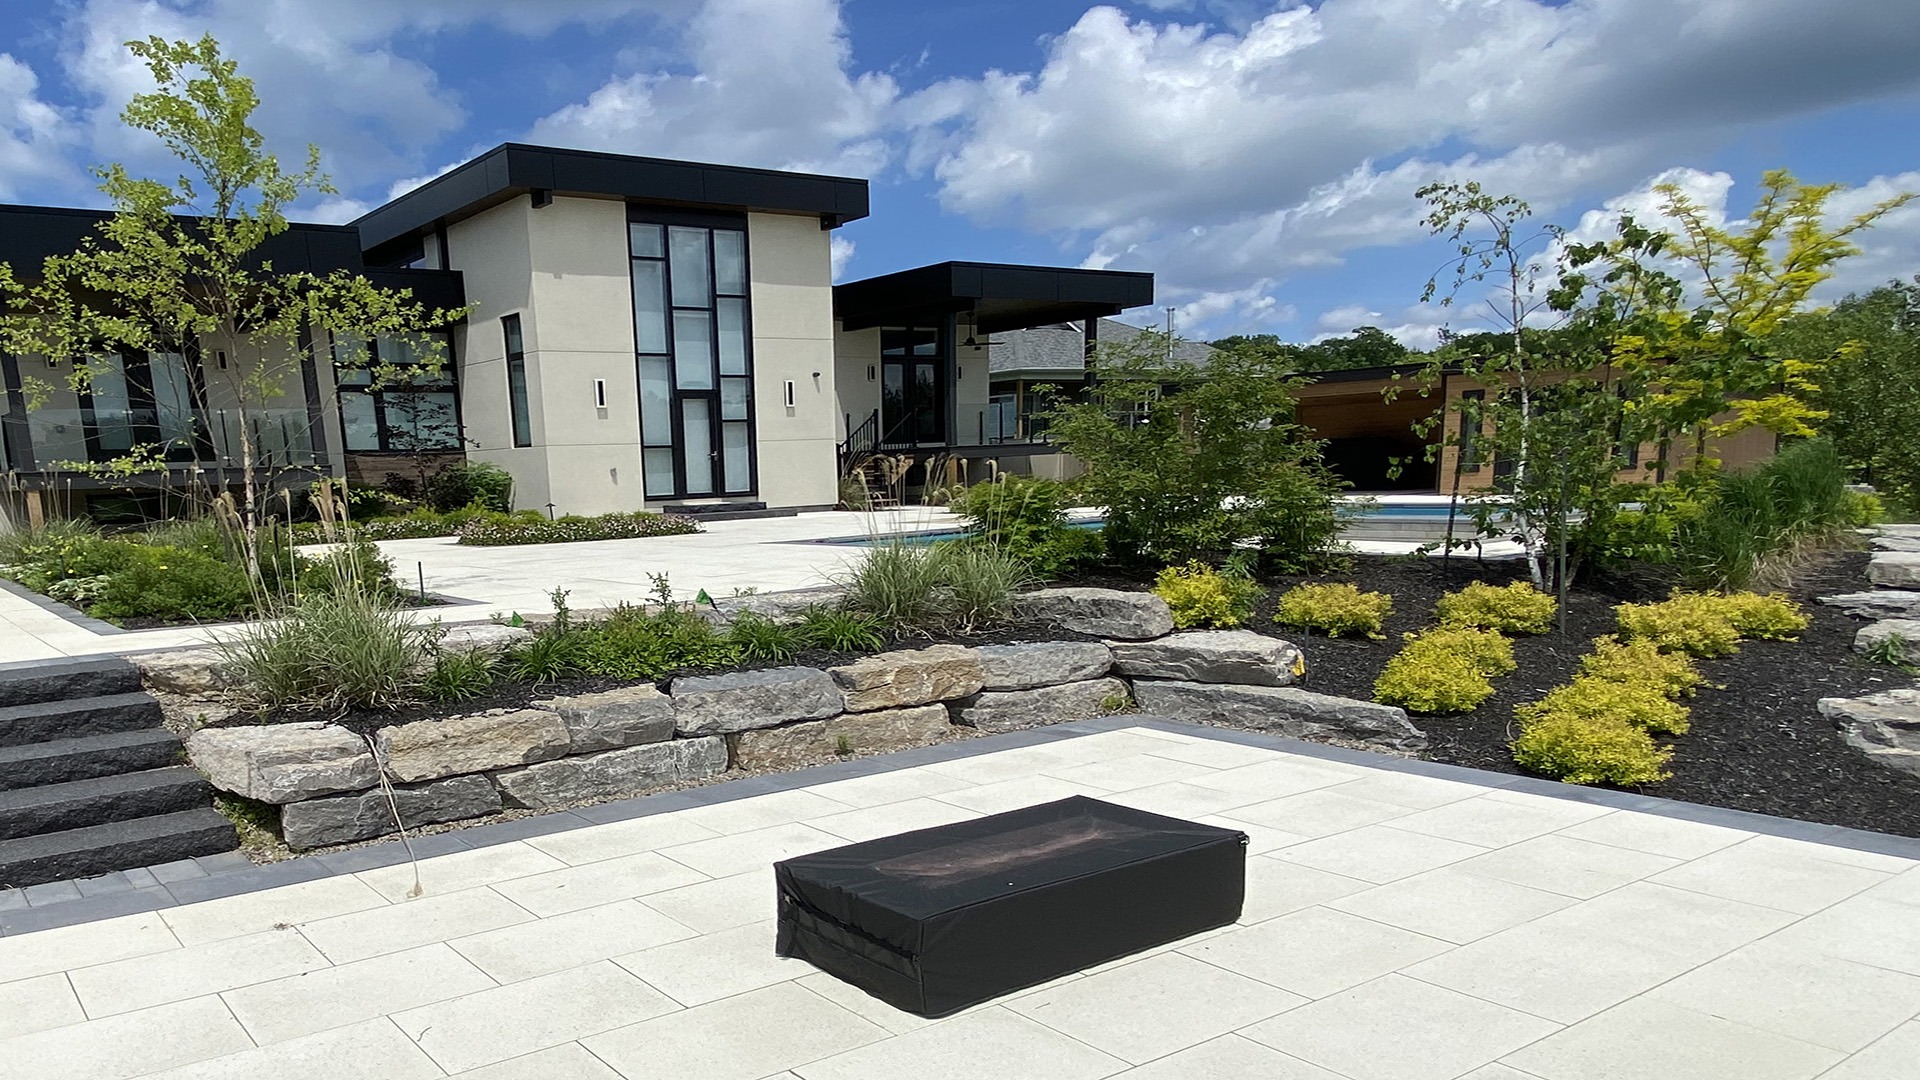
{"x": 230, "y": 874}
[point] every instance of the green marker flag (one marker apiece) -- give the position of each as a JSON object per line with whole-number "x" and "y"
{"x": 703, "y": 598}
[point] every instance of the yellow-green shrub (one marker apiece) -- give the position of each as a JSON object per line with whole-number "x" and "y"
{"x": 1588, "y": 697}
{"x": 1489, "y": 652}
{"x": 1442, "y": 683}
{"x": 1199, "y": 595}
{"x": 1337, "y": 609}
{"x": 1578, "y": 750}
{"x": 1772, "y": 617}
{"x": 1673, "y": 674}
{"x": 1694, "y": 623}
{"x": 1444, "y": 670}
{"x": 1518, "y": 608}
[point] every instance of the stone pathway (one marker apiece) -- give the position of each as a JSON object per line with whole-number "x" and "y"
{"x": 1404, "y": 921}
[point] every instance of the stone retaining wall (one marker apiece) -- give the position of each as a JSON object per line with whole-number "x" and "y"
{"x": 335, "y": 787}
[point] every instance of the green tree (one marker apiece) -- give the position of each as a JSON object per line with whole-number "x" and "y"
{"x": 1195, "y": 465}
{"x": 178, "y": 267}
{"x": 1870, "y": 389}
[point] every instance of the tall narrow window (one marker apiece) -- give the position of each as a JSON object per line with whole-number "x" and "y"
{"x": 517, "y": 381}
{"x": 1471, "y": 402}
{"x": 693, "y": 341}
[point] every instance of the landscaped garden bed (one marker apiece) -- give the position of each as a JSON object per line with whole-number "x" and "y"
{"x": 1757, "y": 741}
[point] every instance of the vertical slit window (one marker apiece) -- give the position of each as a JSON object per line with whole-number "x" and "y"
{"x": 1470, "y": 425}
{"x": 522, "y": 415}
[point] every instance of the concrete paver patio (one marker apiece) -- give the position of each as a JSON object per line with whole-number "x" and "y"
{"x": 1400, "y": 925}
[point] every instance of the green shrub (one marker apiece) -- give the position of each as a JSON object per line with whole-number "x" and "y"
{"x": 1772, "y": 617}
{"x": 896, "y": 583}
{"x": 1673, "y": 674}
{"x": 1582, "y": 751}
{"x": 633, "y": 643}
{"x": 1444, "y": 670}
{"x": 458, "y": 676}
{"x": 354, "y": 565}
{"x": 1639, "y": 704}
{"x": 757, "y": 637}
{"x": 837, "y": 630}
{"x": 1199, "y": 595}
{"x": 501, "y": 530}
{"x": 1027, "y": 517}
{"x": 336, "y": 651}
{"x": 65, "y": 551}
{"x": 1518, "y": 608}
{"x": 172, "y": 585}
{"x": 472, "y": 483}
{"x": 548, "y": 657}
{"x": 1692, "y": 623}
{"x": 979, "y": 582}
{"x": 1337, "y": 609}
{"x": 1435, "y": 683}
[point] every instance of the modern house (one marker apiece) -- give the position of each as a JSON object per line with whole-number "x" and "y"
{"x": 644, "y": 334}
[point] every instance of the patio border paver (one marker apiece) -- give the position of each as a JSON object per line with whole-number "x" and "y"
{"x": 42, "y": 907}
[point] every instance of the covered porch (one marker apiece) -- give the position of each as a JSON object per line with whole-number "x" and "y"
{"x": 912, "y": 369}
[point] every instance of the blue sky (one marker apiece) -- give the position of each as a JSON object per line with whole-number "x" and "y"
{"x": 1258, "y": 157}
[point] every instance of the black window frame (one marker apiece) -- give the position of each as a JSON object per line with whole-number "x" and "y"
{"x": 446, "y": 384}
{"x": 712, "y": 222}
{"x": 519, "y": 404}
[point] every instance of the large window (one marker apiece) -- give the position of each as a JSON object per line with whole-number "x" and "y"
{"x": 391, "y": 399}
{"x": 517, "y": 409}
{"x": 694, "y": 355}
{"x": 143, "y": 399}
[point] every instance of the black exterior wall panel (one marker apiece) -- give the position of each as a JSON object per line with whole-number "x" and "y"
{"x": 936, "y": 920}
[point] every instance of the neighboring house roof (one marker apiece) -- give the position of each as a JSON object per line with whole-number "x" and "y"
{"x": 989, "y": 298}
{"x": 513, "y": 169}
{"x": 1059, "y": 349}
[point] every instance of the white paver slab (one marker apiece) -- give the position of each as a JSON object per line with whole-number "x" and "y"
{"x": 1395, "y": 1028}
{"x": 335, "y": 996}
{"x": 197, "y": 970}
{"x": 1316, "y": 951}
{"x": 514, "y": 1020}
{"x": 368, "y": 1050}
{"x": 531, "y": 949}
{"x": 128, "y": 1045}
{"x": 1153, "y": 1007}
{"x": 253, "y": 913}
{"x": 398, "y": 927}
{"x": 1229, "y": 1056}
{"x": 1649, "y": 1040}
{"x": 36, "y": 1004}
{"x": 990, "y": 1044}
{"x": 741, "y": 1038}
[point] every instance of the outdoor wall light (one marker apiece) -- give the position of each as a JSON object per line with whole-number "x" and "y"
{"x": 790, "y": 397}
{"x": 870, "y": 373}
{"x": 599, "y": 393}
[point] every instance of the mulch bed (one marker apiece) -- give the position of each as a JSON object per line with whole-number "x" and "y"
{"x": 1757, "y": 742}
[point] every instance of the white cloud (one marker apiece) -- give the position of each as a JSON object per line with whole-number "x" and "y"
{"x": 33, "y": 133}
{"x": 841, "y": 252}
{"x": 771, "y": 86}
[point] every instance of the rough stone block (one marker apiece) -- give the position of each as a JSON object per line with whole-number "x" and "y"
{"x": 428, "y": 749}
{"x": 741, "y": 700}
{"x": 1012, "y": 710}
{"x": 820, "y": 740}
{"x": 893, "y": 680}
{"x": 342, "y": 819}
{"x": 1287, "y": 710}
{"x": 1895, "y": 569}
{"x": 1107, "y": 613}
{"x": 628, "y": 771}
{"x": 1042, "y": 663}
{"x": 283, "y": 763}
{"x": 1896, "y": 543}
{"x": 1884, "y": 726}
{"x": 1212, "y": 656}
{"x": 611, "y": 719}
{"x": 1877, "y": 604}
{"x": 187, "y": 672}
{"x": 1904, "y": 632}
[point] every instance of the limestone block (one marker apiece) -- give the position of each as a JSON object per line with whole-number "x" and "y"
{"x": 1287, "y": 710}
{"x": 611, "y": 719}
{"x": 1107, "y": 613}
{"x": 821, "y": 740}
{"x": 893, "y": 680}
{"x": 612, "y": 773}
{"x": 283, "y": 763}
{"x": 428, "y": 749}
{"x": 1042, "y": 663}
{"x": 741, "y": 700}
{"x": 342, "y": 819}
{"x": 1212, "y": 656}
{"x": 1012, "y": 710}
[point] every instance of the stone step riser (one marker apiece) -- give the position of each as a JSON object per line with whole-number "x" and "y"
{"x": 66, "y": 680}
{"x": 59, "y": 807}
{"x": 86, "y": 758}
{"x": 102, "y": 849}
{"x": 50, "y": 721}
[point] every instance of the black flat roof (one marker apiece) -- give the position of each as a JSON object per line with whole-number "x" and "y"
{"x": 30, "y": 234}
{"x": 512, "y": 169}
{"x": 1001, "y": 296}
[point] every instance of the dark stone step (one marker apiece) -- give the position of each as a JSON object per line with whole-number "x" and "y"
{"x": 66, "y": 680}
{"x": 119, "y": 845}
{"x": 84, "y": 758}
{"x": 79, "y": 803}
{"x": 50, "y": 721}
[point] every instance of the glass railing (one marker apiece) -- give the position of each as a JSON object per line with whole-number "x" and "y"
{"x": 280, "y": 438}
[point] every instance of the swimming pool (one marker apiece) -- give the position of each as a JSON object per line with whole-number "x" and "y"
{"x": 919, "y": 539}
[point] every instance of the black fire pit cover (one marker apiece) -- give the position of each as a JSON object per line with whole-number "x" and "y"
{"x": 939, "y": 919}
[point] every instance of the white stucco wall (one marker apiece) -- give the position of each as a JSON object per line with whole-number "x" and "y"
{"x": 494, "y": 255}
{"x": 791, "y": 293}
{"x": 854, "y": 351}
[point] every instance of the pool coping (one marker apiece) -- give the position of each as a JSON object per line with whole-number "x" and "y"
{"x": 155, "y": 888}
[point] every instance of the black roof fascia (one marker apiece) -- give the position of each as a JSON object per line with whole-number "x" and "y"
{"x": 29, "y": 235}
{"x": 512, "y": 169}
{"x": 1383, "y": 371}
{"x": 1003, "y": 296}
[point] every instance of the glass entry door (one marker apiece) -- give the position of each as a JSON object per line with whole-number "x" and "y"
{"x": 913, "y": 402}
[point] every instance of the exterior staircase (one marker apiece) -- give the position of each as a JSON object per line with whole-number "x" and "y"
{"x": 90, "y": 782}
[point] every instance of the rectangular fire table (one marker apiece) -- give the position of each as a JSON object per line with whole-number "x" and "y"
{"x": 939, "y": 919}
